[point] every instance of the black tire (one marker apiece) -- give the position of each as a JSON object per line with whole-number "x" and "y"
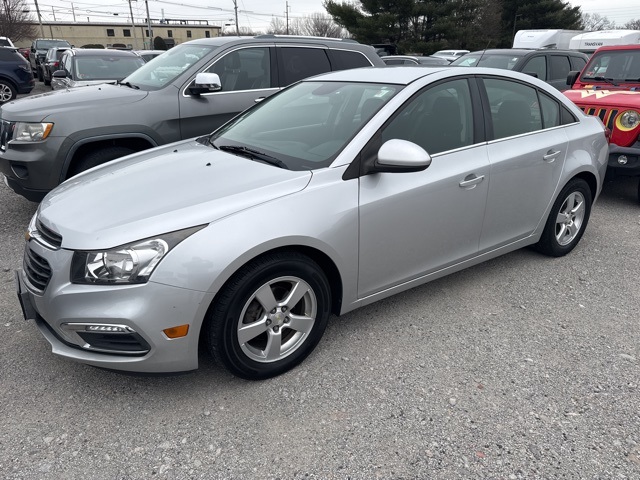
{"x": 40, "y": 74}
{"x": 98, "y": 157}
{"x": 279, "y": 274}
{"x": 574, "y": 203}
{"x": 7, "y": 91}
{"x": 46, "y": 80}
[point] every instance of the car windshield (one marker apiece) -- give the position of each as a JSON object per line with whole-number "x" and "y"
{"x": 488, "y": 60}
{"x": 613, "y": 65}
{"x": 107, "y": 67}
{"x": 306, "y": 126}
{"x": 168, "y": 66}
{"x": 47, "y": 44}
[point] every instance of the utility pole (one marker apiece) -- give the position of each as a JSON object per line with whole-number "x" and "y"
{"x": 73, "y": 11}
{"x": 146, "y": 2}
{"x": 54, "y": 14}
{"x": 39, "y": 19}
{"x": 133, "y": 26}
{"x": 235, "y": 7}
{"x": 287, "y": 15}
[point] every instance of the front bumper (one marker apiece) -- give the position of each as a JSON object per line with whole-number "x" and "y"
{"x": 133, "y": 319}
{"x": 624, "y": 160}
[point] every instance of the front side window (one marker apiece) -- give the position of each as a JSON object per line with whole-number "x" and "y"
{"x": 438, "y": 119}
{"x": 244, "y": 69}
{"x": 167, "y": 67}
{"x": 514, "y": 107}
{"x": 296, "y": 63}
{"x": 306, "y": 126}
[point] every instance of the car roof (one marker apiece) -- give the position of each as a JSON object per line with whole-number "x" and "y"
{"x": 521, "y": 51}
{"x": 619, "y": 47}
{"x": 93, "y": 52}
{"x": 219, "y": 41}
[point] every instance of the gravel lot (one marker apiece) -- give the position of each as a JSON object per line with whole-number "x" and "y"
{"x": 522, "y": 367}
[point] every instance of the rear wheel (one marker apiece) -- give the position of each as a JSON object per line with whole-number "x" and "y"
{"x": 269, "y": 316}
{"x": 40, "y": 74}
{"x": 98, "y": 157}
{"x": 46, "y": 78}
{"x": 7, "y": 91}
{"x": 567, "y": 220}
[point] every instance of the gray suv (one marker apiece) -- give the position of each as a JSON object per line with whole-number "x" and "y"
{"x": 48, "y": 138}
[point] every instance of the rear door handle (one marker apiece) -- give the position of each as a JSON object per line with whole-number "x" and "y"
{"x": 470, "y": 181}
{"x": 551, "y": 156}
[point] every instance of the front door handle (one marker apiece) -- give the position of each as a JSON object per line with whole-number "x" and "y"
{"x": 551, "y": 156}
{"x": 470, "y": 181}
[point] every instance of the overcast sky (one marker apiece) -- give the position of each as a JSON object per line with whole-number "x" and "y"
{"x": 255, "y": 14}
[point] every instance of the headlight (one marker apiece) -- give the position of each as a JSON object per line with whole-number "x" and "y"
{"x": 628, "y": 120}
{"x": 132, "y": 263}
{"x": 31, "y": 132}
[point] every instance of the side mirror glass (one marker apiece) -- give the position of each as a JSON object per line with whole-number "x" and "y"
{"x": 205, "y": 83}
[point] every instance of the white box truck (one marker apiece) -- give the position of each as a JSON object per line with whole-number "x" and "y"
{"x": 591, "y": 41}
{"x": 544, "y": 38}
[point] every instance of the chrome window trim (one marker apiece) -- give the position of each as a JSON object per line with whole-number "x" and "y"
{"x": 526, "y": 134}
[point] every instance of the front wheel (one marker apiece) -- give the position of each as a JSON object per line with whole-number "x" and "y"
{"x": 270, "y": 316}
{"x": 7, "y": 91}
{"x": 567, "y": 220}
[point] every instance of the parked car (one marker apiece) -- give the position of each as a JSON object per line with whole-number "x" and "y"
{"x": 6, "y": 42}
{"x": 51, "y": 63}
{"x": 335, "y": 193}
{"x": 80, "y": 67}
{"x": 450, "y": 55}
{"x": 168, "y": 99}
{"x": 148, "y": 54}
{"x": 414, "y": 60}
{"x": 609, "y": 88}
{"x": 550, "y": 65}
{"x": 39, "y": 49}
{"x": 15, "y": 75}
{"x": 24, "y": 52}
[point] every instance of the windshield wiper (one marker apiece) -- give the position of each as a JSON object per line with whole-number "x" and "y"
{"x": 128, "y": 84}
{"x": 251, "y": 153}
{"x": 610, "y": 81}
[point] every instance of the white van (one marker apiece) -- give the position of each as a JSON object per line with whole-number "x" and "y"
{"x": 544, "y": 38}
{"x": 590, "y": 42}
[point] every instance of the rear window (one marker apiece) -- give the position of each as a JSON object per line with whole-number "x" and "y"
{"x": 488, "y": 60}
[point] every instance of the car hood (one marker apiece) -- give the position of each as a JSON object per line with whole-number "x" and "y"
{"x": 609, "y": 98}
{"x": 37, "y": 108}
{"x": 160, "y": 190}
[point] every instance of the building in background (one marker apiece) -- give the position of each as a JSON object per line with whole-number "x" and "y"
{"x": 173, "y": 32}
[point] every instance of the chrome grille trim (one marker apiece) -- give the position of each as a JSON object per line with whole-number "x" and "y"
{"x": 48, "y": 236}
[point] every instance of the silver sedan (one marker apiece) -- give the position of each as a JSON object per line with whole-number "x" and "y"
{"x": 339, "y": 191}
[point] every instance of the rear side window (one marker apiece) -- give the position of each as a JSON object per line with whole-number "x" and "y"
{"x": 550, "y": 111}
{"x": 295, "y": 63}
{"x": 560, "y": 67}
{"x": 345, "y": 59}
{"x": 514, "y": 108}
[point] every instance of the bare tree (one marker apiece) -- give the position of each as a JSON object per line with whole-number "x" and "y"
{"x": 595, "y": 21}
{"x": 278, "y": 26}
{"x": 244, "y": 31}
{"x": 15, "y": 21}
{"x": 633, "y": 25}
{"x": 320, "y": 25}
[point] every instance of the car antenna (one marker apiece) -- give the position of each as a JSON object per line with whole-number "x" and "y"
{"x": 483, "y": 51}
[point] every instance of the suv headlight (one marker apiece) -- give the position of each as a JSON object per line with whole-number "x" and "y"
{"x": 628, "y": 120}
{"x": 31, "y": 132}
{"x": 131, "y": 263}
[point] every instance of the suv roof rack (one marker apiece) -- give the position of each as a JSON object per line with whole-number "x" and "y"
{"x": 272, "y": 35}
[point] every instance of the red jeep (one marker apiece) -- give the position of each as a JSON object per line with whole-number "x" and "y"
{"x": 609, "y": 87}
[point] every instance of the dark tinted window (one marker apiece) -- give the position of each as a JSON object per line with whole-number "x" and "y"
{"x": 514, "y": 108}
{"x": 550, "y": 111}
{"x": 298, "y": 63}
{"x": 438, "y": 119}
{"x": 578, "y": 63}
{"x": 345, "y": 59}
{"x": 393, "y": 61}
{"x": 560, "y": 67}
{"x": 537, "y": 65}
{"x": 244, "y": 69}
{"x": 566, "y": 117}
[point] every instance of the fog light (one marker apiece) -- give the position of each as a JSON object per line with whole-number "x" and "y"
{"x": 177, "y": 332}
{"x": 622, "y": 159}
{"x": 106, "y": 328}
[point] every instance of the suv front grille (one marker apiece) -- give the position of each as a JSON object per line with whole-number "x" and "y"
{"x": 608, "y": 117}
{"x": 52, "y": 238}
{"x": 6, "y": 133}
{"x": 36, "y": 268}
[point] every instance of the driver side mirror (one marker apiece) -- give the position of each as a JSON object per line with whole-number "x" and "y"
{"x": 572, "y": 77}
{"x": 59, "y": 74}
{"x": 399, "y": 156}
{"x": 205, "y": 83}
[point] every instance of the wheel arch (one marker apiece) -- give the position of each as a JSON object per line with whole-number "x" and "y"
{"x": 591, "y": 180}
{"x": 136, "y": 142}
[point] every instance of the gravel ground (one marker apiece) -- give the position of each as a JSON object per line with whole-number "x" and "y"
{"x": 522, "y": 367}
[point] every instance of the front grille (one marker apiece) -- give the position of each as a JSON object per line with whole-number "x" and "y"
{"x": 6, "y": 133}
{"x": 124, "y": 343}
{"x": 608, "y": 117}
{"x": 36, "y": 268}
{"x": 49, "y": 236}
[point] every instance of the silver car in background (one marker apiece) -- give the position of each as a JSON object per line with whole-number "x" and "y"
{"x": 339, "y": 191}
